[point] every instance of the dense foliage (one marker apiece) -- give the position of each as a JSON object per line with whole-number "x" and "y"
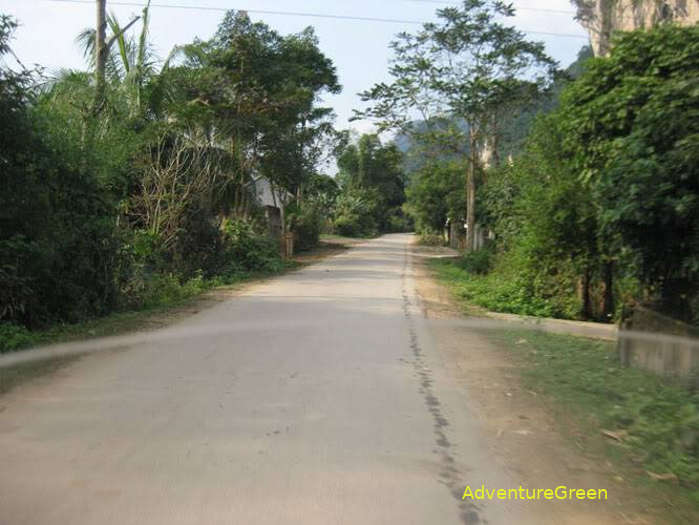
{"x": 632, "y": 129}
{"x": 372, "y": 180}
{"x": 601, "y": 209}
{"x": 58, "y": 242}
{"x": 470, "y": 67}
{"x": 148, "y": 190}
{"x": 435, "y": 195}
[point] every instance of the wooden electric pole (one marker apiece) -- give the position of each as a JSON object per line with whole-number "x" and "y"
{"x": 100, "y": 56}
{"x": 102, "y": 47}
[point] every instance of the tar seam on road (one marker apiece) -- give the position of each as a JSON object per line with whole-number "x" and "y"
{"x": 449, "y": 474}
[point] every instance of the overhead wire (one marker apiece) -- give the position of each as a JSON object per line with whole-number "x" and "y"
{"x": 125, "y": 3}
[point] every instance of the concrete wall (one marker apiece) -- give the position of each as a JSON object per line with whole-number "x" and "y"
{"x": 602, "y": 18}
{"x": 457, "y": 236}
{"x": 660, "y": 344}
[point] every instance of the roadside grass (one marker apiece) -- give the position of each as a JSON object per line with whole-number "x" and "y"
{"x": 167, "y": 295}
{"x": 648, "y": 426}
{"x": 470, "y": 279}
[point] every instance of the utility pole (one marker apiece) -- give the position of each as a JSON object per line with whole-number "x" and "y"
{"x": 100, "y": 56}
{"x": 102, "y": 47}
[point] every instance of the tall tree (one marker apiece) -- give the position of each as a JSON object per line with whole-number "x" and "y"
{"x": 469, "y": 66}
{"x": 257, "y": 90}
{"x": 632, "y": 131}
{"x": 373, "y": 172}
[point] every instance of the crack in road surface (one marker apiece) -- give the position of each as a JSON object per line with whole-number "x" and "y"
{"x": 319, "y": 397}
{"x": 449, "y": 474}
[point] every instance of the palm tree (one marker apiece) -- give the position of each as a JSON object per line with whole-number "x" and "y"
{"x": 130, "y": 63}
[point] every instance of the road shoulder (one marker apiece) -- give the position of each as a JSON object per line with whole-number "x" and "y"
{"x": 132, "y": 322}
{"x": 521, "y": 429}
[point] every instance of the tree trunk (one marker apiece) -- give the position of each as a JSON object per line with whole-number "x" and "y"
{"x": 586, "y": 302}
{"x": 471, "y": 193}
{"x": 608, "y": 305}
{"x": 100, "y": 56}
{"x": 495, "y": 145}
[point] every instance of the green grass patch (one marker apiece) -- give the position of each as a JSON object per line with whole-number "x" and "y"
{"x": 467, "y": 280}
{"x": 656, "y": 419}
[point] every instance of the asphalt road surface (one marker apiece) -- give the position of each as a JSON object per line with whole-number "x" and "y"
{"x": 313, "y": 398}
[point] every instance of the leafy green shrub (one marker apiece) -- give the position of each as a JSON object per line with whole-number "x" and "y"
{"x": 248, "y": 250}
{"x": 355, "y": 226}
{"x": 356, "y": 212}
{"x": 14, "y": 337}
{"x": 479, "y": 262}
{"x": 399, "y": 223}
{"x": 632, "y": 132}
{"x": 500, "y": 291}
{"x": 199, "y": 247}
{"x": 58, "y": 248}
{"x": 435, "y": 194}
{"x": 307, "y": 224}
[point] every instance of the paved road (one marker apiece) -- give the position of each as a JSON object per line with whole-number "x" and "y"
{"x": 314, "y": 398}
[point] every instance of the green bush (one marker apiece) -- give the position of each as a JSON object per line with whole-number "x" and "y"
{"x": 479, "y": 262}
{"x": 353, "y": 225}
{"x": 399, "y": 223}
{"x": 167, "y": 289}
{"x": 356, "y": 212}
{"x": 14, "y": 337}
{"x": 248, "y": 250}
{"x": 58, "y": 248}
{"x": 307, "y": 224}
{"x": 503, "y": 291}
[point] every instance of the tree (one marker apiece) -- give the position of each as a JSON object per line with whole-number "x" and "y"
{"x": 632, "y": 130}
{"x": 257, "y": 90}
{"x": 373, "y": 173}
{"x": 434, "y": 196}
{"x": 545, "y": 221}
{"x": 125, "y": 178}
{"x": 57, "y": 244}
{"x": 469, "y": 66}
{"x": 102, "y": 48}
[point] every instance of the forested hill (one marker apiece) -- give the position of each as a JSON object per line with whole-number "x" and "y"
{"x": 516, "y": 130}
{"x": 513, "y": 131}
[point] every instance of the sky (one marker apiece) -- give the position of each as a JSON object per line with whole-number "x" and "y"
{"x": 359, "y": 49}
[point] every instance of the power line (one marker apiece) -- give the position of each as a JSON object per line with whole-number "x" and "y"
{"x": 291, "y": 13}
{"x": 515, "y": 6}
{"x": 253, "y": 11}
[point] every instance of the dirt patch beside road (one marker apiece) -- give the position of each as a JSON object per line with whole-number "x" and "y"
{"x": 518, "y": 423}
